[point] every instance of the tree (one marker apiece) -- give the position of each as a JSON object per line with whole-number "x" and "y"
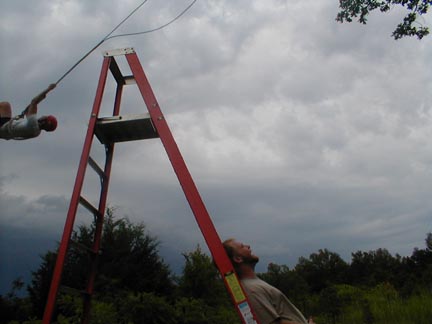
{"x": 203, "y": 297}
{"x": 12, "y": 307}
{"x": 322, "y": 269}
{"x": 146, "y": 308}
{"x": 419, "y": 270}
{"x": 331, "y": 303}
{"x": 350, "y": 9}
{"x": 40, "y": 283}
{"x": 428, "y": 241}
{"x": 201, "y": 280}
{"x": 129, "y": 261}
{"x": 374, "y": 267}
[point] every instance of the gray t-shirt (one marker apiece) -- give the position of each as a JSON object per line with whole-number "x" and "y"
{"x": 269, "y": 303}
{"x": 22, "y": 128}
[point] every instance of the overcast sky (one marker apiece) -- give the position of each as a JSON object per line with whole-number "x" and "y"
{"x": 301, "y": 133}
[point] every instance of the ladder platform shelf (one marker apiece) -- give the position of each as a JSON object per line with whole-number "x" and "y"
{"x": 125, "y": 128}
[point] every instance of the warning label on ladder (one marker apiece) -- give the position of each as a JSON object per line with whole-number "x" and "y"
{"x": 246, "y": 313}
{"x": 235, "y": 288}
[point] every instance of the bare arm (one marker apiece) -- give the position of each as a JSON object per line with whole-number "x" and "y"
{"x": 32, "y": 108}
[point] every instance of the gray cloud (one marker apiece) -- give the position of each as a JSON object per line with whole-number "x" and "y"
{"x": 300, "y": 133}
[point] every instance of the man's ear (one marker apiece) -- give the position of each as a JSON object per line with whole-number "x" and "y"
{"x": 237, "y": 259}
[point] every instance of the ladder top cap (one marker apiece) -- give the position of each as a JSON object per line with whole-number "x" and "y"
{"x": 119, "y": 51}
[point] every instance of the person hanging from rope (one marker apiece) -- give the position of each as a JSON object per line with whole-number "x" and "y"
{"x": 26, "y": 125}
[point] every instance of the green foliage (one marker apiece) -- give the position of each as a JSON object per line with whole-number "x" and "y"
{"x": 196, "y": 311}
{"x": 32, "y": 321}
{"x": 417, "y": 271}
{"x": 375, "y": 288}
{"x": 104, "y": 313}
{"x": 201, "y": 280}
{"x": 428, "y": 241}
{"x": 322, "y": 269}
{"x": 387, "y": 307}
{"x": 130, "y": 259}
{"x": 373, "y": 267}
{"x": 69, "y": 308}
{"x": 125, "y": 307}
{"x": 350, "y": 9}
{"x": 135, "y": 286}
{"x": 191, "y": 310}
{"x": 40, "y": 283}
{"x": 13, "y": 307}
{"x": 331, "y": 303}
{"x": 379, "y": 305}
{"x": 203, "y": 297}
{"x": 145, "y": 308}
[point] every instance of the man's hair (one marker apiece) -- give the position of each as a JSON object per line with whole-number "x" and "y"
{"x": 228, "y": 247}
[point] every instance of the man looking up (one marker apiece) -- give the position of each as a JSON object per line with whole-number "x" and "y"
{"x": 270, "y": 305}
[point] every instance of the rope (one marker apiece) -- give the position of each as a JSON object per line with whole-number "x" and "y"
{"x": 108, "y": 36}
{"x": 129, "y": 34}
{"x": 98, "y": 44}
{"x": 158, "y": 28}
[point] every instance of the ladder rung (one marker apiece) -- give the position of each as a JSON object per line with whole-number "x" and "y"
{"x": 119, "y": 51}
{"x": 129, "y": 79}
{"x": 89, "y": 207}
{"x": 97, "y": 168}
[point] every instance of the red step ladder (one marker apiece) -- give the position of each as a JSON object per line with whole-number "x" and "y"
{"x": 110, "y": 130}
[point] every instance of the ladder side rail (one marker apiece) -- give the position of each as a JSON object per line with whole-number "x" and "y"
{"x": 191, "y": 192}
{"x": 118, "y": 97}
{"x": 109, "y": 150}
{"x": 100, "y": 220}
{"x": 97, "y": 238}
{"x": 70, "y": 219}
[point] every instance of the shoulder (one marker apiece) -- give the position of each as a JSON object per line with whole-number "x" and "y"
{"x": 254, "y": 282}
{"x": 31, "y": 117}
{"x": 258, "y": 285}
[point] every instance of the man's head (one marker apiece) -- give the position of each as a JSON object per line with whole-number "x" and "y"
{"x": 240, "y": 254}
{"x": 47, "y": 123}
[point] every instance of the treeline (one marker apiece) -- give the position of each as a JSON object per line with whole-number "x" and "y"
{"x": 375, "y": 287}
{"x": 134, "y": 285}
